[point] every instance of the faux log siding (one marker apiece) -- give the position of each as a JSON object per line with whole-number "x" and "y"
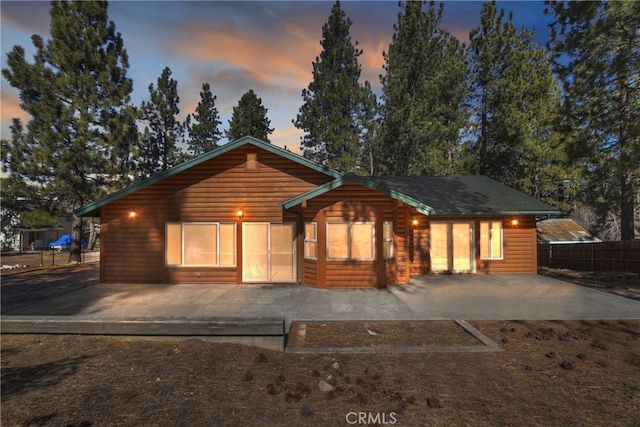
{"x": 134, "y": 250}
{"x": 520, "y": 249}
{"x": 310, "y": 272}
{"x": 421, "y": 247}
{"x": 397, "y": 270}
{"x": 351, "y": 202}
{"x": 351, "y": 274}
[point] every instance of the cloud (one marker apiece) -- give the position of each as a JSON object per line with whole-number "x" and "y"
{"x": 265, "y": 58}
{"x": 29, "y": 16}
{"x": 11, "y": 109}
{"x": 288, "y": 137}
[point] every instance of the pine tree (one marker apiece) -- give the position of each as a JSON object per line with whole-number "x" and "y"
{"x": 335, "y": 115}
{"x": 516, "y": 100}
{"x": 424, "y": 90}
{"x": 596, "y": 48}
{"x": 159, "y": 150}
{"x": 77, "y": 94}
{"x": 204, "y": 134}
{"x": 249, "y": 119}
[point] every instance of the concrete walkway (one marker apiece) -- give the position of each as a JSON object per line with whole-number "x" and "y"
{"x": 512, "y": 297}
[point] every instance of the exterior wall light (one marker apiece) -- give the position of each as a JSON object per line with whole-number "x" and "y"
{"x": 415, "y": 221}
{"x": 132, "y": 214}
{"x": 240, "y": 214}
{"x": 514, "y": 221}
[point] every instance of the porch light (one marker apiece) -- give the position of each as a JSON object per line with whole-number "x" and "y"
{"x": 132, "y": 214}
{"x": 415, "y": 221}
{"x": 240, "y": 214}
{"x": 514, "y": 221}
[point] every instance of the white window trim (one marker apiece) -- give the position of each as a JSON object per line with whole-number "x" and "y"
{"x": 315, "y": 224}
{"x": 217, "y": 265}
{"x": 350, "y": 224}
{"x": 492, "y": 240}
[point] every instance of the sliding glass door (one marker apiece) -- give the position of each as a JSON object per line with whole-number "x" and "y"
{"x": 268, "y": 252}
{"x": 452, "y": 247}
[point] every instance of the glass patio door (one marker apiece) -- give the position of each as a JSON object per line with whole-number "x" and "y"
{"x": 452, "y": 247}
{"x": 268, "y": 252}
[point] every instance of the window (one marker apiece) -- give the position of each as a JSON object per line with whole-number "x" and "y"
{"x": 205, "y": 244}
{"x": 351, "y": 241}
{"x": 491, "y": 239}
{"x": 387, "y": 235}
{"x": 311, "y": 240}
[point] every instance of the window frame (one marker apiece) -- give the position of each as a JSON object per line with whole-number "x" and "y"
{"x": 217, "y": 243}
{"x": 309, "y": 241}
{"x": 491, "y": 240}
{"x": 387, "y": 242}
{"x": 350, "y": 240}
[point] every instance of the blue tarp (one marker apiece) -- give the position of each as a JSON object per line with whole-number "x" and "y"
{"x": 64, "y": 240}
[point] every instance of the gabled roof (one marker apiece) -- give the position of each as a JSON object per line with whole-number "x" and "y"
{"x": 92, "y": 208}
{"x": 444, "y": 195}
{"x": 364, "y": 181}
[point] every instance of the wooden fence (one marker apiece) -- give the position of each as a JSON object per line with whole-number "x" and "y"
{"x": 602, "y": 256}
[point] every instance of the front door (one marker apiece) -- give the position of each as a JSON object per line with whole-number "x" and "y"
{"x": 268, "y": 252}
{"x": 452, "y": 247}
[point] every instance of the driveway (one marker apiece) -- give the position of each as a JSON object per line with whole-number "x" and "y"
{"x": 512, "y": 297}
{"x": 469, "y": 297}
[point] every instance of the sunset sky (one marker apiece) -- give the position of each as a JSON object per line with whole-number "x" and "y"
{"x": 236, "y": 46}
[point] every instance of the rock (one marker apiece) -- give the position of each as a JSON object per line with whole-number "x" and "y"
{"x": 306, "y": 410}
{"x": 260, "y": 358}
{"x": 325, "y": 387}
{"x": 435, "y": 402}
{"x": 335, "y": 365}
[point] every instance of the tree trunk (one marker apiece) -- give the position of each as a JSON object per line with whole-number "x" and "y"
{"x": 627, "y": 229}
{"x": 75, "y": 254}
{"x": 92, "y": 234}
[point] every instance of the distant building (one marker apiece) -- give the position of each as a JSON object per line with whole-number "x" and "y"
{"x": 563, "y": 230}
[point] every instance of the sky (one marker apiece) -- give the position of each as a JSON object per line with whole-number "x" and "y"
{"x": 267, "y": 46}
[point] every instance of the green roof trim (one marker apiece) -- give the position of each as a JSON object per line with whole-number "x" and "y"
{"x": 364, "y": 181}
{"x": 91, "y": 209}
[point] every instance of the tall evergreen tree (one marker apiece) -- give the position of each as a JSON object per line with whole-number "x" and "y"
{"x": 204, "y": 134}
{"x": 424, "y": 89}
{"x": 249, "y": 118}
{"x": 77, "y": 94}
{"x": 159, "y": 150}
{"x": 516, "y": 100}
{"x": 334, "y": 113}
{"x": 596, "y": 48}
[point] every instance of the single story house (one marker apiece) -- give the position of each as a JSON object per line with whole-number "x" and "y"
{"x": 251, "y": 212}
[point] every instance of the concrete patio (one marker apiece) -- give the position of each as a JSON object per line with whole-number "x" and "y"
{"x": 469, "y": 297}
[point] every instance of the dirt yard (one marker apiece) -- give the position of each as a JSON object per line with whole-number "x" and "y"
{"x": 555, "y": 373}
{"x": 569, "y": 373}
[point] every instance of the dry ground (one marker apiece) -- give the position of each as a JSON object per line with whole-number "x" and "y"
{"x": 562, "y": 373}
{"x": 555, "y": 373}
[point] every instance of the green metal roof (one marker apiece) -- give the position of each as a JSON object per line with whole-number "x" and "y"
{"x": 91, "y": 209}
